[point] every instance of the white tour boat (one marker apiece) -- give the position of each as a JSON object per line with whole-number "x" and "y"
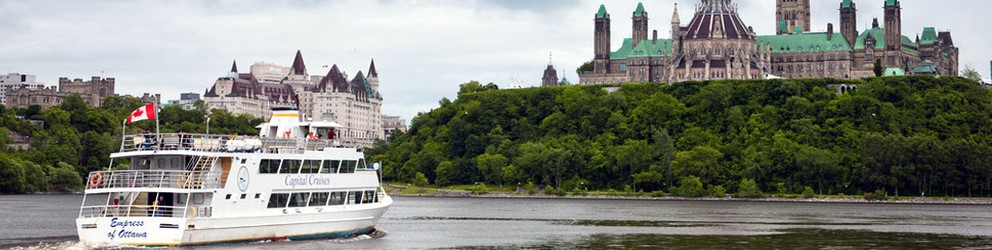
{"x": 194, "y": 189}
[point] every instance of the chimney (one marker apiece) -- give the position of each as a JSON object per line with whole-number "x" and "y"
{"x": 830, "y": 31}
{"x": 654, "y": 38}
{"x": 874, "y": 23}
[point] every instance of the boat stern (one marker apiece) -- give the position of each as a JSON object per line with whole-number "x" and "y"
{"x": 131, "y": 231}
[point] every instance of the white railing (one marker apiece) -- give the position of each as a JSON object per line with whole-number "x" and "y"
{"x": 145, "y": 211}
{"x": 152, "y": 179}
{"x": 220, "y": 143}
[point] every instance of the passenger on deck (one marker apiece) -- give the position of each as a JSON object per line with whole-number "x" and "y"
{"x": 330, "y": 136}
{"x": 147, "y": 145}
{"x": 156, "y": 212}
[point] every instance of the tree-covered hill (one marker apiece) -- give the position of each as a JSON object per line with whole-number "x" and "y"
{"x": 907, "y": 135}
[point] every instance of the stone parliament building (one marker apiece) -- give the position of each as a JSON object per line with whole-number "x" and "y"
{"x": 717, "y": 44}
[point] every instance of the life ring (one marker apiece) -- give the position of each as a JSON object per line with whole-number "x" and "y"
{"x": 96, "y": 179}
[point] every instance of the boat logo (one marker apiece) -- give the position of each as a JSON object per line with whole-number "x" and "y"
{"x": 243, "y": 179}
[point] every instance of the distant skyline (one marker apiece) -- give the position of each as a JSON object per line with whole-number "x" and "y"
{"x": 423, "y": 48}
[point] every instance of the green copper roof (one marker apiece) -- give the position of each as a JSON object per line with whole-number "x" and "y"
{"x": 602, "y": 12}
{"x": 891, "y": 2}
{"x": 804, "y": 43}
{"x": 623, "y": 52}
{"x": 925, "y": 68}
{"x": 908, "y": 45}
{"x": 894, "y": 72}
{"x": 846, "y": 4}
{"x": 646, "y": 48}
{"x": 649, "y": 48}
{"x": 640, "y": 10}
{"x": 929, "y": 36}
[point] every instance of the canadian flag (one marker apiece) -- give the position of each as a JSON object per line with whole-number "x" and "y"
{"x": 143, "y": 113}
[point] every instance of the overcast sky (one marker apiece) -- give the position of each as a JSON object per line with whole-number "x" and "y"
{"x": 423, "y": 49}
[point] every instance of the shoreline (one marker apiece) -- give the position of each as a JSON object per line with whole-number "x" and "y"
{"x": 903, "y": 200}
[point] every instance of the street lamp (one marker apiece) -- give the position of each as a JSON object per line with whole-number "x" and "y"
{"x": 208, "y": 125}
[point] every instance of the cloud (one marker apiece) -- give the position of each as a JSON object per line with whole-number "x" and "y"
{"x": 423, "y": 48}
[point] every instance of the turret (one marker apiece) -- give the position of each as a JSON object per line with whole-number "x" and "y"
{"x": 602, "y": 41}
{"x": 849, "y": 21}
{"x": 298, "y": 67}
{"x": 676, "y": 28}
{"x": 640, "y": 25}
{"x": 373, "y": 77}
{"x": 893, "y": 25}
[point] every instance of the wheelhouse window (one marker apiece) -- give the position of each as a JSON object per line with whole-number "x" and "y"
{"x": 329, "y": 166}
{"x": 348, "y": 166}
{"x": 337, "y": 198}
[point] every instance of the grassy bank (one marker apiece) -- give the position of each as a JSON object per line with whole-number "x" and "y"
{"x": 484, "y": 191}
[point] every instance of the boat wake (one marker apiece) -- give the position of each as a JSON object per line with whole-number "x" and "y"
{"x": 375, "y": 234}
{"x": 66, "y": 245}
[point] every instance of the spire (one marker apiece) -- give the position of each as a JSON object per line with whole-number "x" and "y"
{"x": 675, "y": 17}
{"x": 640, "y": 10}
{"x": 602, "y": 12}
{"x": 234, "y": 67}
{"x": 372, "y": 72}
{"x": 298, "y": 67}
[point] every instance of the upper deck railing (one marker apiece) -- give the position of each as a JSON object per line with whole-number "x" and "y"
{"x": 153, "y": 179}
{"x": 220, "y": 143}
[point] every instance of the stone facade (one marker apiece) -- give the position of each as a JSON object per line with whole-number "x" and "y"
{"x": 96, "y": 88}
{"x": 13, "y": 81}
{"x": 393, "y": 123}
{"x": 792, "y": 14}
{"x": 717, "y": 44}
{"x": 92, "y": 92}
{"x": 46, "y": 97}
{"x": 356, "y": 104}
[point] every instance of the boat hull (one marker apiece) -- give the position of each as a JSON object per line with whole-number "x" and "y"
{"x": 164, "y": 231}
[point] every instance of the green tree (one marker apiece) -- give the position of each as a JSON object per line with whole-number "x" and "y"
{"x": 420, "y": 180}
{"x": 971, "y": 74}
{"x": 748, "y": 189}
{"x": 585, "y": 67}
{"x": 491, "y": 166}
{"x": 702, "y": 161}
{"x": 690, "y": 186}
{"x": 877, "y": 68}
{"x": 63, "y": 178}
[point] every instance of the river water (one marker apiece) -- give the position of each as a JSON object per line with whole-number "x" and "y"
{"x": 488, "y": 223}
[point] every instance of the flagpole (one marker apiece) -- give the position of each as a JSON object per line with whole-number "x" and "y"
{"x": 157, "y": 132}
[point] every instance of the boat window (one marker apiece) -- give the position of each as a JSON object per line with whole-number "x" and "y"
{"x": 370, "y": 196}
{"x": 310, "y": 166}
{"x": 299, "y": 199}
{"x": 243, "y": 196}
{"x": 330, "y": 167}
{"x": 355, "y": 197}
{"x": 267, "y": 166}
{"x": 361, "y": 164}
{"x": 278, "y": 200}
{"x": 348, "y": 167}
{"x": 318, "y": 199}
{"x": 290, "y": 167}
{"x": 337, "y": 198}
